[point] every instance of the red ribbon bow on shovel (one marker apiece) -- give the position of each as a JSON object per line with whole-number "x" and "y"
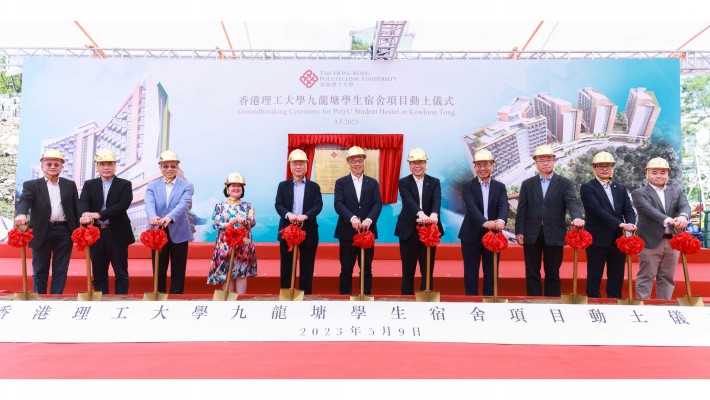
{"x": 293, "y": 235}
{"x": 18, "y": 238}
{"x": 85, "y": 236}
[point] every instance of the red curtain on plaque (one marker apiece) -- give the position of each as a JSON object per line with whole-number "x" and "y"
{"x": 390, "y": 146}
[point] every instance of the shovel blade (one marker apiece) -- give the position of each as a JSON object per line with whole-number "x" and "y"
{"x": 574, "y": 298}
{"x": 362, "y": 298}
{"x": 431, "y": 296}
{"x": 695, "y": 301}
{"x": 291, "y": 295}
{"x": 22, "y": 296}
{"x": 630, "y": 302}
{"x": 89, "y": 296}
{"x": 155, "y": 296}
{"x": 491, "y": 299}
{"x": 221, "y": 295}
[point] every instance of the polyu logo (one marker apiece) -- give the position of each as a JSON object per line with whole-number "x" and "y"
{"x": 309, "y": 78}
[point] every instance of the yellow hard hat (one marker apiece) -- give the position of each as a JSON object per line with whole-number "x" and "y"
{"x": 603, "y": 157}
{"x": 104, "y": 155}
{"x": 355, "y": 151}
{"x": 297, "y": 155}
{"x": 658, "y": 162}
{"x": 417, "y": 154}
{"x": 51, "y": 153}
{"x": 483, "y": 155}
{"x": 168, "y": 155}
{"x": 544, "y": 150}
{"x": 235, "y": 177}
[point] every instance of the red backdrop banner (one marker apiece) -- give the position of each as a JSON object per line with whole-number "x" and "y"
{"x": 390, "y": 146}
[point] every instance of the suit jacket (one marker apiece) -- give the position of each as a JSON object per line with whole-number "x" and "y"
{"x": 431, "y": 203}
{"x": 312, "y": 206}
{"x": 601, "y": 219}
{"x": 498, "y": 208}
{"x": 180, "y": 204}
{"x": 347, "y": 205}
{"x": 651, "y": 212}
{"x": 550, "y": 212}
{"x": 34, "y": 200}
{"x": 118, "y": 199}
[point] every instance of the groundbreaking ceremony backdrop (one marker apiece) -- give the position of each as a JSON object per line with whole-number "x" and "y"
{"x": 241, "y": 116}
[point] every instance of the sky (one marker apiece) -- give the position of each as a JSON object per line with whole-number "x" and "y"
{"x": 327, "y": 25}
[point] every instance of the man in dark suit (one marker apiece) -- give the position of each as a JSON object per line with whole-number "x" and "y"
{"x": 105, "y": 200}
{"x": 299, "y": 201}
{"x": 51, "y": 202}
{"x": 358, "y": 204}
{"x": 421, "y": 203}
{"x": 540, "y": 225}
{"x": 487, "y": 208}
{"x": 608, "y": 213}
{"x": 167, "y": 203}
{"x": 662, "y": 211}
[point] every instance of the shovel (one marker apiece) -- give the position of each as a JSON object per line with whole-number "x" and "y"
{"x": 226, "y": 295}
{"x": 24, "y": 295}
{"x": 574, "y": 298}
{"x": 361, "y": 296}
{"x": 90, "y": 294}
{"x": 428, "y": 295}
{"x": 630, "y": 300}
{"x": 688, "y": 299}
{"x": 154, "y": 295}
{"x": 292, "y": 294}
{"x": 495, "y": 298}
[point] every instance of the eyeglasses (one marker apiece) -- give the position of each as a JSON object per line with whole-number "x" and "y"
{"x": 169, "y": 166}
{"x": 544, "y": 160}
{"x": 354, "y": 162}
{"x": 604, "y": 167}
{"x": 483, "y": 164}
{"x": 53, "y": 164}
{"x": 418, "y": 163}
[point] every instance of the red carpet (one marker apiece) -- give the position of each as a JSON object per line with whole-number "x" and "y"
{"x": 375, "y": 360}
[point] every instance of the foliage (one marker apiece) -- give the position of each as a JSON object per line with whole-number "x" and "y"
{"x": 10, "y": 85}
{"x": 359, "y": 44}
{"x": 630, "y": 167}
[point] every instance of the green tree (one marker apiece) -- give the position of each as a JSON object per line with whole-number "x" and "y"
{"x": 359, "y": 44}
{"x": 11, "y": 85}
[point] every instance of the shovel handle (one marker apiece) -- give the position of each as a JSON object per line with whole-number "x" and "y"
{"x": 631, "y": 289}
{"x": 89, "y": 289}
{"x": 362, "y": 273}
{"x": 495, "y": 276}
{"x": 687, "y": 277}
{"x": 156, "y": 255}
{"x": 229, "y": 274}
{"x": 23, "y": 255}
{"x": 574, "y": 272}
{"x": 294, "y": 262}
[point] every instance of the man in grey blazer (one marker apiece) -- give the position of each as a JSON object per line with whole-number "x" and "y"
{"x": 662, "y": 210}
{"x": 540, "y": 225}
{"x": 167, "y": 203}
{"x": 52, "y": 203}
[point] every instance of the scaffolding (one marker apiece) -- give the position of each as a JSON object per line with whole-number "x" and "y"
{"x": 690, "y": 61}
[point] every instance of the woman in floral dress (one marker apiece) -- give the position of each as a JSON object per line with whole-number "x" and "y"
{"x": 237, "y": 212}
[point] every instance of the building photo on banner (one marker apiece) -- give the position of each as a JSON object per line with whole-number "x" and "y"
{"x": 224, "y": 117}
